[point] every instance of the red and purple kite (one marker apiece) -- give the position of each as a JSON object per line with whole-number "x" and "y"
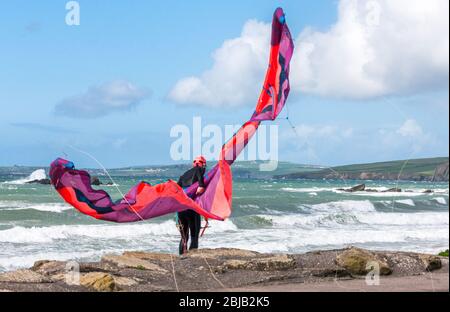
{"x": 145, "y": 201}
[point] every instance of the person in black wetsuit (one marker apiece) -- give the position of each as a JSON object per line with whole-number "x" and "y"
{"x": 189, "y": 221}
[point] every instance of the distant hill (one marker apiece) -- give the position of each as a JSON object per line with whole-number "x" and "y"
{"x": 241, "y": 169}
{"x": 427, "y": 169}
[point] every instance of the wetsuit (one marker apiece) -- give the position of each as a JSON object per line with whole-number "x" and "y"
{"x": 189, "y": 220}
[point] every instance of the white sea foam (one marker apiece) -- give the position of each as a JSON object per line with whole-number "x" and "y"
{"x": 298, "y": 239}
{"x": 35, "y": 175}
{"x": 440, "y": 200}
{"x": 307, "y": 189}
{"x": 6, "y": 186}
{"x": 361, "y": 218}
{"x": 409, "y": 219}
{"x": 387, "y": 194}
{"x": 19, "y": 205}
{"x": 408, "y": 202}
{"x": 49, "y": 234}
{"x": 252, "y": 206}
{"x": 344, "y": 205}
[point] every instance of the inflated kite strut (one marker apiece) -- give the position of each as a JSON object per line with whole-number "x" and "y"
{"x": 145, "y": 201}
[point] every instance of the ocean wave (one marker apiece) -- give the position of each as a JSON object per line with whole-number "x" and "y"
{"x": 300, "y": 240}
{"x": 49, "y": 234}
{"x": 6, "y": 186}
{"x": 385, "y": 194}
{"x": 11, "y": 262}
{"x": 360, "y": 218}
{"x": 408, "y": 202}
{"x": 344, "y": 205}
{"x": 307, "y": 189}
{"x": 35, "y": 175}
{"x": 19, "y": 205}
{"x": 440, "y": 200}
{"x": 405, "y": 219}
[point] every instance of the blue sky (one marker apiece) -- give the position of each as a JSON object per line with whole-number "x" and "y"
{"x": 349, "y": 101}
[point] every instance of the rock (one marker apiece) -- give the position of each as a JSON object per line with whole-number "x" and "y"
{"x": 393, "y": 190}
{"x": 431, "y": 262}
{"x": 152, "y": 256}
{"x": 357, "y": 262}
{"x": 95, "y": 181}
{"x": 221, "y": 252}
{"x": 38, "y": 264}
{"x": 41, "y": 181}
{"x": 48, "y": 268}
{"x": 275, "y": 263}
{"x": 135, "y": 263}
{"x": 427, "y": 191}
{"x": 357, "y": 188}
{"x": 124, "y": 281}
{"x": 23, "y": 276}
{"x": 98, "y": 281}
{"x": 441, "y": 174}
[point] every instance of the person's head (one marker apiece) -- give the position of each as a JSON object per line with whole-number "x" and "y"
{"x": 199, "y": 161}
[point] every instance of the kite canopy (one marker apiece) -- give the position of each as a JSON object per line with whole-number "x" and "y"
{"x": 145, "y": 201}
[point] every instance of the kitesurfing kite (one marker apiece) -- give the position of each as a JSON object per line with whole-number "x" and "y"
{"x": 145, "y": 201}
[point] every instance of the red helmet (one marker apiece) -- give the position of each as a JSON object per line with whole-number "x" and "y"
{"x": 199, "y": 161}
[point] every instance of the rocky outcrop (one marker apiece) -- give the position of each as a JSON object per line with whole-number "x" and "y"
{"x": 356, "y": 188}
{"x": 95, "y": 180}
{"x": 362, "y": 188}
{"x": 214, "y": 269}
{"x": 128, "y": 261}
{"x": 41, "y": 181}
{"x": 441, "y": 173}
{"x": 274, "y": 263}
{"x": 23, "y": 276}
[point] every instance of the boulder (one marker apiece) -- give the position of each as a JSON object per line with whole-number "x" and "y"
{"x": 122, "y": 261}
{"x": 23, "y": 276}
{"x": 275, "y": 263}
{"x": 48, "y": 268}
{"x": 98, "y": 281}
{"x": 95, "y": 181}
{"x": 357, "y": 188}
{"x": 393, "y": 190}
{"x": 121, "y": 281}
{"x": 41, "y": 181}
{"x": 151, "y": 256}
{"x": 441, "y": 173}
{"x": 431, "y": 262}
{"x": 358, "y": 262}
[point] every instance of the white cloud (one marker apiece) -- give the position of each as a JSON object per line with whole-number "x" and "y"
{"x": 237, "y": 73}
{"x": 410, "y": 129}
{"x": 376, "y": 48}
{"x": 409, "y": 136}
{"x": 101, "y": 100}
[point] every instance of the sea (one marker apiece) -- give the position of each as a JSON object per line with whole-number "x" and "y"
{"x": 270, "y": 216}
